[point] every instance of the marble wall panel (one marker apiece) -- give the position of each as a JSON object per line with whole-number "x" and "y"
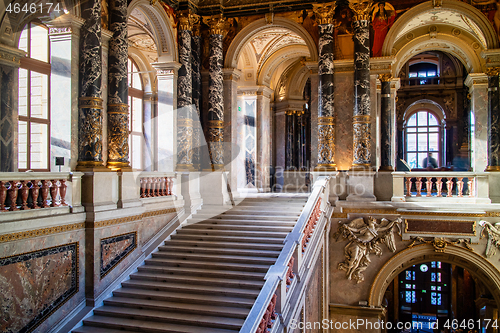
{"x": 150, "y": 226}
{"x": 344, "y": 92}
{"x": 264, "y": 141}
{"x": 114, "y": 249}
{"x": 8, "y": 118}
{"x": 314, "y": 297}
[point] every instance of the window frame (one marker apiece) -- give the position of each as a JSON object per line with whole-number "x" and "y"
{"x": 139, "y": 94}
{"x": 428, "y": 127}
{"x": 34, "y": 65}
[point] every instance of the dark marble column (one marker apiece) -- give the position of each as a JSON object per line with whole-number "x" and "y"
{"x": 361, "y": 116}
{"x": 196, "y": 96}
{"x": 386, "y": 125}
{"x": 290, "y": 139}
{"x": 301, "y": 140}
{"x": 118, "y": 115}
{"x": 326, "y": 113}
{"x": 215, "y": 130}
{"x": 493, "y": 120}
{"x": 90, "y": 101}
{"x": 185, "y": 95}
{"x": 9, "y": 73}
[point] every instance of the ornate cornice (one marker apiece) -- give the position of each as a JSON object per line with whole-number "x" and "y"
{"x": 11, "y": 56}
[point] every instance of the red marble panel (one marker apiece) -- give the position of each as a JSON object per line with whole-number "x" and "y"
{"x": 441, "y": 226}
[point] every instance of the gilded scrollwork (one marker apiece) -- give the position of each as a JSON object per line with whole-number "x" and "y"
{"x": 440, "y": 244}
{"x": 361, "y": 9}
{"x": 325, "y": 12}
{"x": 90, "y": 134}
{"x": 365, "y": 237}
{"x": 326, "y": 143}
{"x": 118, "y": 148}
{"x": 361, "y": 144}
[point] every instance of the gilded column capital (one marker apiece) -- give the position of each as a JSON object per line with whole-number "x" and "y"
{"x": 385, "y": 77}
{"x": 187, "y": 20}
{"x": 492, "y": 71}
{"x": 361, "y": 9}
{"x": 324, "y": 12}
{"x": 216, "y": 24}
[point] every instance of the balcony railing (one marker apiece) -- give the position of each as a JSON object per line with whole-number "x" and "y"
{"x": 275, "y": 298}
{"x": 20, "y": 191}
{"x": 156, "y": 184}
{"x": 439, "y": 185}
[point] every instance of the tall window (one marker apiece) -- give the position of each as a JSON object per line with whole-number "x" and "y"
{"x": 34, "y": 104}
{"x": 135, "y": 102}
{"x": 423, "y": 140}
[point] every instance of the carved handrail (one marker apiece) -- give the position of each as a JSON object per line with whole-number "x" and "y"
{"x": 280, "y": 276}
{"x": 156, "y": 184}
{"x": 37, "y": 190}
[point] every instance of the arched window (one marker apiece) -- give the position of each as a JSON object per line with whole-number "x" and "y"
{"x": 34, "y": 101}
{"x": 423, "y": 137}
{"x": 135, "y": 102}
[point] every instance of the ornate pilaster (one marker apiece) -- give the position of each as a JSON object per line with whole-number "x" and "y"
{"x": 386, "y": 162}
{"x": 196, "y": 93}
{"x": 215, "y": 93}
{"x": 185, "y": 94}
{"x": 90, "y": 101}
{"x": 493, "y": 120}
{"x": 326, "y": 112}
{"x": 118, "y": 113}
{"x": 10, "y": 59}
{"x": 361, "y": 116}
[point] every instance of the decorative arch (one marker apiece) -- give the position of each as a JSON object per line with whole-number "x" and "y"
{"x": 164, "y": 35}
{"x": 246, "y": 34}
{"x": 428, "y": 104}
{"x": 447, "y": 38}
{"x": 478, "y": 266}
{"x": 149, "y": 76}
{"x": 286, "y": 54}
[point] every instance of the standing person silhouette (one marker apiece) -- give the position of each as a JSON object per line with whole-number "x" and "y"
{"x": 430, "y": 162}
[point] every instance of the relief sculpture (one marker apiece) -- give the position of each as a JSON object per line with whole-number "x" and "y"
{"x": 492, "y": 232}
{"x": 365, "y": 238}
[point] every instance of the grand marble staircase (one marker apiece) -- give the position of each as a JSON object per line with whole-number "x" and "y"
{"x": 206, "y": 277}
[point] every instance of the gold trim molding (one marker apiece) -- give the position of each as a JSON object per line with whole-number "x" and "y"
{"x": 216, "y": 124}
{"x": 326, "y": 121}
{"x": 119, "y": 108}
{"x": 41, "y": 232}
{"x": 127, "y": 219}
{"x": 90, "y": 103}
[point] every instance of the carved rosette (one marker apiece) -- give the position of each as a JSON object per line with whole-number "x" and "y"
{"x": 362, "y": 142}
{"x": 493, "y": 120}
{"x": 118, "y": 148}
{"x": 326, "y": 143}
{"x": 386, "y": 123}
{"x": 90, "y": 101}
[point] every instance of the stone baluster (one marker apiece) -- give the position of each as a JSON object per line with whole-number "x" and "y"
{"x": 90, "y": 101}
{"x": 460, "y": 186}
{"x": 326, "y": 112}
{"x": 3, "y": 196}
{"x": 215, "y": 129}
{"x": 118, "y": 109}
{"x": 449, "y": 186}
{"x": 439, "y": 186}
{"x": 143, "y": 185}
{"x": 45, "y": 193}
{"x": 408, "y": 186}
{"x": 62, "y": 192}
{"x": 290, "y": 275}
{"x": 418, "y": 183}
{"x": 493, "y": 120}
{"x": 470, "y": 184}
{"x": 24, "y": 191}
{"x": 149, "y": 192}
{"x": 54, "y": 189}
{"x": 13, "y": 192}
{"x": 428, "y": 183}
{"x": 35, "y": 190}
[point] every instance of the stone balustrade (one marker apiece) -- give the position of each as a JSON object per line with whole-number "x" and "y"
{"x": 438, "y": 185}
{"x": 21, "y": 191}
{"x": 154, "y": 184}
{"x": 286, "y": 276}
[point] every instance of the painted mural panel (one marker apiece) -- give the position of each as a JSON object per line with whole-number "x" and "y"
{"x": 35, "y": 284}
{"x": 115, "y": 249}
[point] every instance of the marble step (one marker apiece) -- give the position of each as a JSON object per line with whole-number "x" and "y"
{"x": 226, "y": 274}
{"x": 207, "y": 265}
{"x": 126, "y": 324}
{"x": 191, "y": 289}
{"x": 203, "y": 309}
{"x": 93, "y": 329}
{"x": 167, "y": 247}
{"x": 258, "y": 212}
{"x": 199, "y": 280}
{"x": 243, "y": 233}
{"x": 215, "y": 226}
{"x": 216, "y": 300}
{"x": 232, "y": 245}
{"x": 225, "y": 221}
{"x": 228, "y": 239}
{"x": 215, "y": 258}
{"x": 268, "y": 217}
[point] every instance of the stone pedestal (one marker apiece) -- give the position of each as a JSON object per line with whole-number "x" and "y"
{"x": 213, "y": 188}
{"x": 383, "y": 185}
{"x": 360, "y": 186}
{"x": 128, "y": 189}
{"x": 99, "y": 191}
{"x": 337, "y": 183}
{"x": 190, "y": 186}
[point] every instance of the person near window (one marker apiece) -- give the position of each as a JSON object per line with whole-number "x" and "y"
{"x": 430, "y": 162}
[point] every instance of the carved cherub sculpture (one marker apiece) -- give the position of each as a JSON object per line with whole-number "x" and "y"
{"x": 364, "y": 238}
{"x": 493, "y": 233}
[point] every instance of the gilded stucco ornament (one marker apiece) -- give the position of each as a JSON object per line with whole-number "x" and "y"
{"x": 365, "y": 238}
{"x": 492, "y": 232}
{"x": 361, "y": 9}
{"x": 440, "y": 244}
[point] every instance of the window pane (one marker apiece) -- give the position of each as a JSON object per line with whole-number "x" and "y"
{"x": 422, "y": 74}
{"x": 421, "y": 157}
{"x": 136, "y": 80}
{"x": 23, "y": 145}
{"x": 422, "y": 118}
{"x": 413, "y": 74}
{"x": 137, "y": 151}
{"x": 129, "y": 70}
{"x": 39, "y": 95}
{"x": 39, "y": 146}
{"x": 23, "y": 92}
{"x": 422, "y": 142}
{"x": 431, "y": 73}
{"x": 412, "y": 160}
{"x": 39, "y": 43}
{"x": 434, "y": 129}
{"x": 23, "y": 40}
{"x": 411, "y": 142}
{"x": 137, "y": 116}
{"x": 432, "y": 120}
{"x": 433, "y": 141}
{"x": 411, "y": 129}
{"x": 130, "y": 112}
{"x": 413, "y": 120}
